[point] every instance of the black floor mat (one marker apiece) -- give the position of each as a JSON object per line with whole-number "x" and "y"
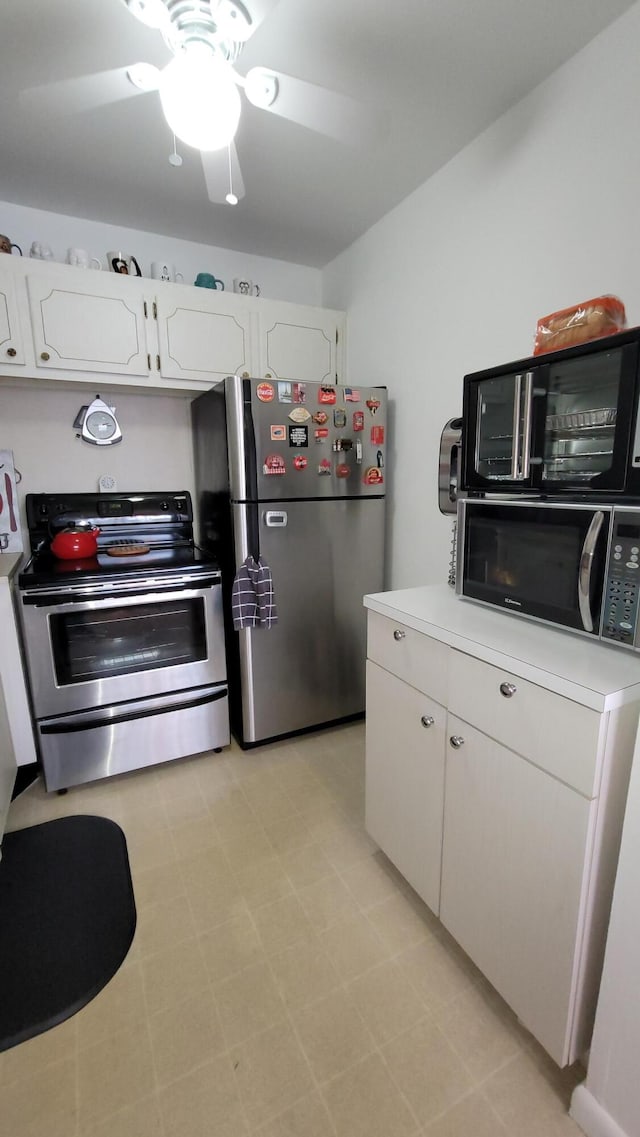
{"x": 67, "y": 918}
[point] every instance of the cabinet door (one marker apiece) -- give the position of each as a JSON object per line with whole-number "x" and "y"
{"x": 405, "y": 732}
{"x": 513, "y": 862}
{"x": 11, "y": 345}
{"x": 95, "y": 325}
{"x": 299, "y": 343}
{"x": 203, "y": 338}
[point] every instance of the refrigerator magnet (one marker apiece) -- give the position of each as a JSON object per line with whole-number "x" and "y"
{"x": 265, "y": 392}
{"x": 358, "y": 420}
{"x": 279, "y": 433}
{"x": 373, "y": 405}
{"x": 321, "y": 417}
{"x": 299, "y": 392}
{"x": 298, "y": 436}
{"x": 325, "y": 466}
{"x": 299, "y": 414}
{"x": 342, "y": 470}
{"x": 377, "y": 435}
{"x": 373, "y": 476}
{"x": 321, "y": 434}
{"x": 351, "y": 396}
{"x": 339, "y": 417}
{"x": 285, "y": 394}
{"x": 300, "y": 462}
{"x": 274, "y": 464}
{"x": 327, "y": 395}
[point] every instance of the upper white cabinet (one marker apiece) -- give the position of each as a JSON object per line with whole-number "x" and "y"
{"x": 11, "y": 343}
{"x": 298, "y": 342}
{"x": 72, "y": 324}
{"x": 88, "y": 322}
{"x": 203, "y": 335}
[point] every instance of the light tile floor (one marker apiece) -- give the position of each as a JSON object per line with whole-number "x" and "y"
{"x": 284, "y": 980}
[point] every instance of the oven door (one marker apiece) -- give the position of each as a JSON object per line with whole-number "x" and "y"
{"x": 545, "y": 560}
{"x": 89, "y": 652}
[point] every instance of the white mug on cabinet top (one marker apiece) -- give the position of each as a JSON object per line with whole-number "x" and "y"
{"x": 162, "y": 270}
{"x": 246, "y": 287}
{"x": 82, "y": 259}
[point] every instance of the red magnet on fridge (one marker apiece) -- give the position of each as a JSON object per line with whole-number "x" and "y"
{"x": 325, "y": 466}
{"x": 274, "y": 464}
{"x": 266, "y": 392}
{"x": 299, "y": 392}
{"x": 278, "y": 433}
{"x": 321, "y": 417}
{"x": 342, "y": 470}
{"x": 358, "y": 420}
{"x": 373, "y": 405}
{"x": 373, "y": 476}
{"x": 321, "y": 434}
{"x": 327, "y": 395}
{"x": 377, "y": 435}
{"x": 300, "y": 462}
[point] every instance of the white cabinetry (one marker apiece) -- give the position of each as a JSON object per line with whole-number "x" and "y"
{"x": 11, "y": 343}
{"x": 202, "y": 336}
{"x": 297, "y": 342}
{"x": 505, "y": 812}
{"x": 88, "y": 322}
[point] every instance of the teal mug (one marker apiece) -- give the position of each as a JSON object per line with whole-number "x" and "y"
{"x": 207, "y": 280}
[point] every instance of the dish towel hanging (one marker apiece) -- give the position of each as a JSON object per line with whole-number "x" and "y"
{"x": 252, "y": 600}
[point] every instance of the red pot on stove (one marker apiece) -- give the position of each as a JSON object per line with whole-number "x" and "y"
{"x": 74, "y": 544}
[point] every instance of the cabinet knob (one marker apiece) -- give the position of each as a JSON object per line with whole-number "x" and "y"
{"x": 399, "y": 634}
{"x": 508, "y": 690}
{"x": 427, "y": 720}
{"x": 11, "y": 351}
{"x": 456, "y": 741}
{"x": 268, "y": 375}
{"x": 45, "y": 355}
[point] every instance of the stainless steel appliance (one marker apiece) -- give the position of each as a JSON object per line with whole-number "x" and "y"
{"x": 575, "y": 565}
{"x": 561, "y": 424}
{"x": 125, "y": 650}
{"x": 449, "y": 466}
{"x": 295, "y": 472}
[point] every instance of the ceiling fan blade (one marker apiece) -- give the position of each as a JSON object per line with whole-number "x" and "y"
{"x": 240, "y": 20}
{"x": 84, "y": 93}
{"x": 215, "y": 164}
{"x": 326, "y": 112}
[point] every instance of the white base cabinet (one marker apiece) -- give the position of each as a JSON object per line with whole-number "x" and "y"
{"x": 500, "y": 799}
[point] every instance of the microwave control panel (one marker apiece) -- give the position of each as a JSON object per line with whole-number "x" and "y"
{"x": 622, "y": 586}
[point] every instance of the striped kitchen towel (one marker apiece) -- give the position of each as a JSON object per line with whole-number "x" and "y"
{"x": 252, "y": 599}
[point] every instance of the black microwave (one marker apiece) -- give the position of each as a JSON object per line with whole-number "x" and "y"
{"x": 573, "y": 565}
{"x": 556, "y": 425}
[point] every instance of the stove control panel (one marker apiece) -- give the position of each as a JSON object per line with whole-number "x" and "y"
{"x": 621, "y": 598}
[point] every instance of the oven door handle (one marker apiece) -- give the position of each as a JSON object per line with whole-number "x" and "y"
{"x": 586, "y": 568}
{"x": 73, "y": 727}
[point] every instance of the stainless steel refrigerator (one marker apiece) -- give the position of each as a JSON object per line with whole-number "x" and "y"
{"x": 295, "y": 473}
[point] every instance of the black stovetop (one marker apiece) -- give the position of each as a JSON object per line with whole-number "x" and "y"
{"x": 162, "y": 522}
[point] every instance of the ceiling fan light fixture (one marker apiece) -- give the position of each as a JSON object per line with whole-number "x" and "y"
{"x": 261, "y": 87}
{"x": 200, "y": 100}
{"x": 144, "y": 76}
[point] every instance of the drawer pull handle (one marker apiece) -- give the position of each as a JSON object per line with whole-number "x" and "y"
{"x": 45, "y": 355}
{"x": 508, "y": 689}
{"x": 399, "y": 634}
{"x": 427, "y": 720}
{"x": 11, "y": 351}
{"x": 456, "y": 741}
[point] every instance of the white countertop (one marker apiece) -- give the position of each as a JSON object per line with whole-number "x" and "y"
{"x": 596, "y": 675}
{"x": 8, "y": 564}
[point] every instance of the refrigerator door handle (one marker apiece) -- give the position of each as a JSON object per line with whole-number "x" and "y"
{"x": 275, "y": 518}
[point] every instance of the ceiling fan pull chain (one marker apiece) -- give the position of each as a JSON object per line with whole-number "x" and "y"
{"x": 231, "y": 197}
{"x": 175, "y": 159}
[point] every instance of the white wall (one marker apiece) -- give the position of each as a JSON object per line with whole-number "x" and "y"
{"x": 155, "y": 452}
{"x": 540, "y": 211}
{"x": 277, "y": 279}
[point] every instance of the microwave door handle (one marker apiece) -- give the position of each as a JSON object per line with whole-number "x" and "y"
{"x": 515, "y": 461}
{"x": 585, "y": 570}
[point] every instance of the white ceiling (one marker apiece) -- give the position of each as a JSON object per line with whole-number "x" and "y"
{"x": 434, "y": 72}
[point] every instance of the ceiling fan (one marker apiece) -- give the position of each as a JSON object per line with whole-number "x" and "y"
{"x": 200, "y": 88}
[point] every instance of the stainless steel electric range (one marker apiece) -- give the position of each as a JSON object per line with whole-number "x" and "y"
{"x": 125, "y": 649}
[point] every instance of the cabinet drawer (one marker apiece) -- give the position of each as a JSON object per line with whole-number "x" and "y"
{"x": 556, "y": 734}
{"x": 417, "y": 659}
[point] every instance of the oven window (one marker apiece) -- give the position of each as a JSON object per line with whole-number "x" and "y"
{"x": 123, "y": 639}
